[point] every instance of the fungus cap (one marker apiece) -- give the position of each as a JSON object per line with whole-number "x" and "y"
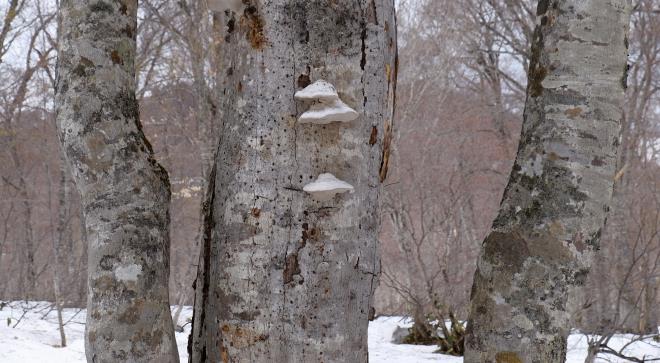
{"x": 326, "y": 107}
{"x": 320, "y": 90}
{"x": 325, "y": 113}
{"x": 326, "y": 186}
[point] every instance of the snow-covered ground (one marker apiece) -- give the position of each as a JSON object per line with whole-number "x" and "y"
{"x": 28, "y": 333}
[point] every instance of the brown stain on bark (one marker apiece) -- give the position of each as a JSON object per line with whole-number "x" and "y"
{"x": 374, "y": 135}
{"x": 224, "y": 355}
{"x": 507, "y": 357}
{"x": 255, "y": 28}
{"x": 96, "y": 146}
{"x": 132, "y": 313}
{"x": 554, "y": 157}
{"x": 116, "y": 59}
{"x": 240, "y": 337}
{"x": 291, "y": 268}
{"x": 573, "y": 112}
{"x": 387, "y": 142}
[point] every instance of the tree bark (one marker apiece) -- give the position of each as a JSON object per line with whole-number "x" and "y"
{"x": 56, "y": 245}
{"x": 282, "y": 277}
{"x": 542, "y": 242}
{"x": 125, "y": 192}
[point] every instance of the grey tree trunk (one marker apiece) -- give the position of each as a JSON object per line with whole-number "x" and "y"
{"x": 548, "y": 228}
{"x": 29, "y": 282}
{"x": 56, "y": 244}
{"x": 282, "y": 277}
{"x": 125, "y": 192}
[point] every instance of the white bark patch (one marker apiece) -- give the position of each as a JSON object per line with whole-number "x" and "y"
{"x": 327, "y": 106}
{"x": 128, "y": 272}
{"x": 533, "y": 167}
{"x": 326, "y": 187}
{"x": 499, "y": 300}
{"x": 255, "y": 143}
{"x": 523, "y": 322}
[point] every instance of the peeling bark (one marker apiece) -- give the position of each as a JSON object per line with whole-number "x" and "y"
{"x": 282, "y": 277}
{"x": 548, "y": 228}
{"x": 125, "y": 192}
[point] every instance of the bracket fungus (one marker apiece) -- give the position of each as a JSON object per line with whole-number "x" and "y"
{"x": 326, "y": 186}
{"x": 326, "y": 106}
{"x": 222, "y": 5}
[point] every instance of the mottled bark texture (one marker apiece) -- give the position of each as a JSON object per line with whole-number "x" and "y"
{"x": 282, "y": 277}
{"x": 125, "y": 192}
{"x": 548, "y": 228}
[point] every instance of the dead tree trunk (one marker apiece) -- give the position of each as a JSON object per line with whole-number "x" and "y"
{"x": 125, "y": 192}
{"x": 284, "y": 277}
{"x": 548, "y": 228}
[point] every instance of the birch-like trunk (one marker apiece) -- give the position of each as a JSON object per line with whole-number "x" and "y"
{"x": 549, "y": 225}
{"x": 282, "y": 277}
{"x": 125, "y": 192}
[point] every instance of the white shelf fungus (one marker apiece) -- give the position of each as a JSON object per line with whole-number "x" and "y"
{"x": 222, "y": 5}
{"x": 327, "y": 106}
{"x": 326, "y": 186}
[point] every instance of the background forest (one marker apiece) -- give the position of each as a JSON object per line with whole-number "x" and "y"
{"x": 461, "y": 92}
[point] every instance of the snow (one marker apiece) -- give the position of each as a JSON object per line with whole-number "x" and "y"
{"x": 382, "y": 350}
{"x": 326, "y": 186}
{"x": 35, "y": 338}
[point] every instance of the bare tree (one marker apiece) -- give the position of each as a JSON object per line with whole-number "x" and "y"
{"x": 278, "y": 266}
{"x": 125, "y": 192}
{"x": 552, "y": 213}
{"x": 36, "y": 58}
{"x": 57, "y": 234}
{"x": 622, "y": 289}
{"x": 439, "y": 175}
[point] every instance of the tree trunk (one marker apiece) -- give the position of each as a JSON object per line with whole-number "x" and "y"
{"x": 29, "y": 280}
{"x": 56, "y": 245}
{"x": 282, "y": 277}
{"x": 125, "y": 192}
{"x": 548, "y": 228}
